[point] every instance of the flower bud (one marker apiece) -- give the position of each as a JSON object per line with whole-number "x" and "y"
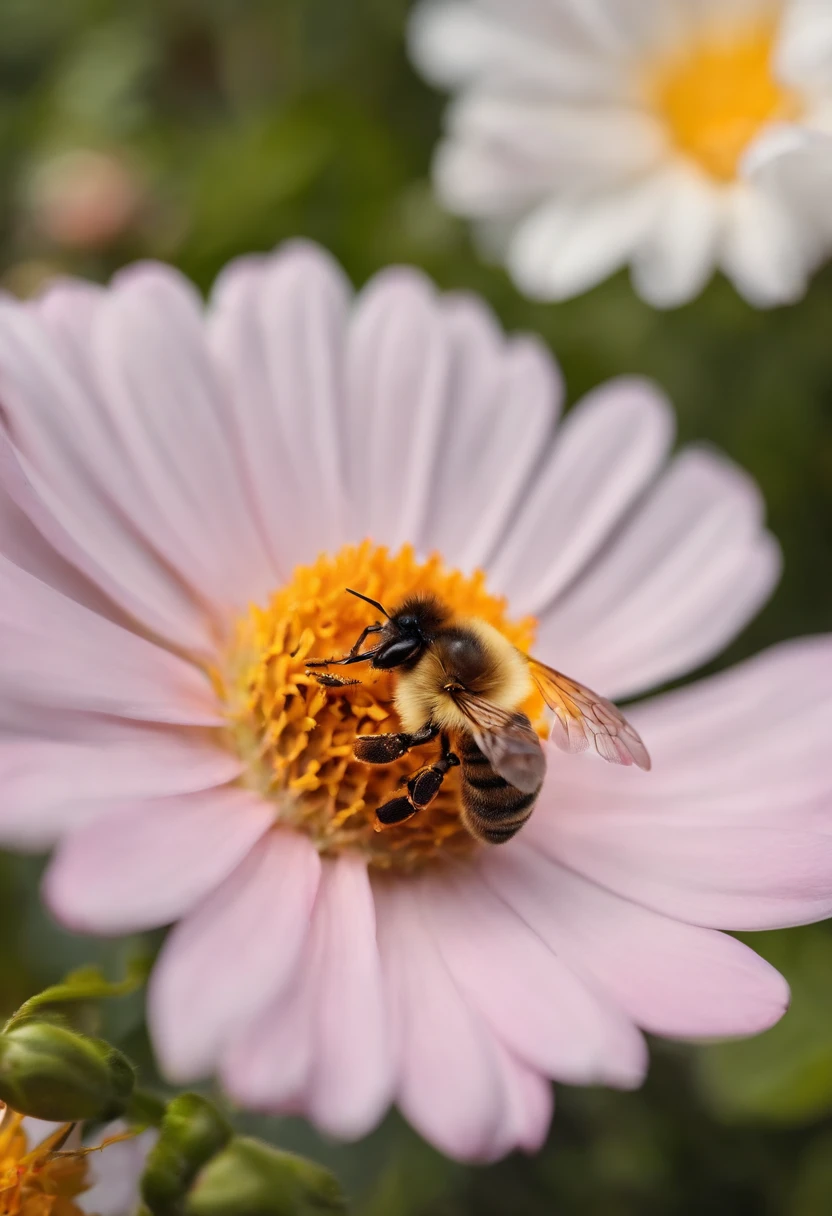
{"x": 51, "y": 1072}
{"x": 249, "y": 1178}
{"x": 192, "y": 1131}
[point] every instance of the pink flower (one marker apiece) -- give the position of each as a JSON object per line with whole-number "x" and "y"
{"x": 162, "y": 473}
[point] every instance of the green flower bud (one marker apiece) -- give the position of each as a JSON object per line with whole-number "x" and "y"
{"x": 51, "y": 1072}
{"x": 192, "y": 1131}
{"x": 249, "y": 1178}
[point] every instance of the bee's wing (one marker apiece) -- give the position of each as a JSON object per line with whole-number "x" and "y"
{"x": 506, "y": 739}
{"x": 582, "y": 718}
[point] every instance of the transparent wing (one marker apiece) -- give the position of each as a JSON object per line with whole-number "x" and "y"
{"x": 583, "y": 719}
{"x": 506, "y": 739}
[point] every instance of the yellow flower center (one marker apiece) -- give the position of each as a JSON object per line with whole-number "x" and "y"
{"x": 715, "y": 95}
{"x": 297, "y": 737}
{"x": 44, "y": 1181}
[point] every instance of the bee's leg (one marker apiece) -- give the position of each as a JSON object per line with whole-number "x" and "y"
{"x": 384, "y": 749}
{"x": 398, "y": 810}
{"x": 422, "y": 788}
{"x": 352, "y": 656}
{"x": 424, "y": 785}
{"x": 330, "y": 681}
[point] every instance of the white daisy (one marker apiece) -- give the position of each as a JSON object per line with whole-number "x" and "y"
{"x": 675, "y": 136}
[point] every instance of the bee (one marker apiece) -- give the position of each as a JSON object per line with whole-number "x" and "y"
{"x": 462, "y": 682}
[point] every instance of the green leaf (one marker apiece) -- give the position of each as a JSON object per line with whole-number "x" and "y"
{"x": 80, "y": 987}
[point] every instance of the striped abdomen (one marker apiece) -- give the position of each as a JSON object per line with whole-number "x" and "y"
{"x": 493, "y": 810}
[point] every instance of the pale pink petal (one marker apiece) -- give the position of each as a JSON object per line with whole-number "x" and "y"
{"x": 687, "y": 572}
{"x": 22, "y": 543}
{"x": 168, "y": 411}
{"x": 671, "y": 978}
{"x": 277, "y": 328}
{"x": 232, "y": 954}
{"x": 71, "y": 466}
{"x": 607, "y": 451}
{"x": 148, "y": 863}
{"x": 56, "y": 653}
{"x": 52, "y": 786}
{"x": 729, "y": 875}
{"x": 507, "y": 393}
{"x": 527, "y": 1113}
{"x": 352, "y": 1078}
{"x": 333, "y": 1020}
{"x": 425, "y": 374}
{"x": 450, "y": 1082}
{"x": 544, "y": 1013}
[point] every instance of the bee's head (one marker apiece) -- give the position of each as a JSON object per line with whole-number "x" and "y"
{"x": 407, "y": 631}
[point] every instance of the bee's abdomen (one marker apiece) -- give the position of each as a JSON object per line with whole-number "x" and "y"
{"x": 493, "y": 810}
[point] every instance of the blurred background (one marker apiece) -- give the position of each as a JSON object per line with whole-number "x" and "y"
{"x": 194, "y": 130}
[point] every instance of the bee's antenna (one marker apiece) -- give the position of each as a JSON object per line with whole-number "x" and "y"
{"x": 367, "y": 600}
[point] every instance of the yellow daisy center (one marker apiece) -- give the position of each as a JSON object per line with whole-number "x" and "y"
{"x": 44, "y": 1181}
{"x": 297, "y": 737}
{"x": 716, "y": 94}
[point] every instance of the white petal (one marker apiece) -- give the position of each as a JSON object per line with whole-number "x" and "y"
{"x": 453, "y": 42}
{"x": 763, "y": 251}
{"x": 568, "y": 246}
{"x": 677, "y": 257}
{"x": 804, "y": 51}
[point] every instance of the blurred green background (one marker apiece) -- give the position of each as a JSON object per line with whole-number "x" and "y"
{"x": 193, "y": 130}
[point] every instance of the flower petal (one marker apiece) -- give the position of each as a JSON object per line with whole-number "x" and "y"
{"x": 536, "y": 145}
{"x": 804, "y": 53}
{"x": 115, "y": 1173}
{"x": 52, "y": 786}
{"x": 149, "y": 863}
{"x": 606, "y": 452}
{"x": 226, "y": 960}
{"x": 167, "y": 409}
{"x": 686, "y": 573}
{"x": 677, "y": 257}
{"x": 332, "y": 1021}
{"x": 425, "y": 374}
{"x": 739, "y": 839}
{"x": 450, "y": 1069}
{"x": 453, "y": 42}
{"x": 763, "y": 250}
{"x": 352, "y": 1079}
{"x": 278, "y": 328}
{"x": 56, "y": 653}
{"x": 567, "y": 246}
{"x": 547, "y": 1015}
{"x": 672, "y": 979}
{"x": 64, "y": 472}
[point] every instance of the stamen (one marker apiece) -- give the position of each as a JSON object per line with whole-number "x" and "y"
{"x": 716, "y": 95}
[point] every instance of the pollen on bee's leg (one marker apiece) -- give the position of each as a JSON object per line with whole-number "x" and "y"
{"x": 330, "y": 752}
